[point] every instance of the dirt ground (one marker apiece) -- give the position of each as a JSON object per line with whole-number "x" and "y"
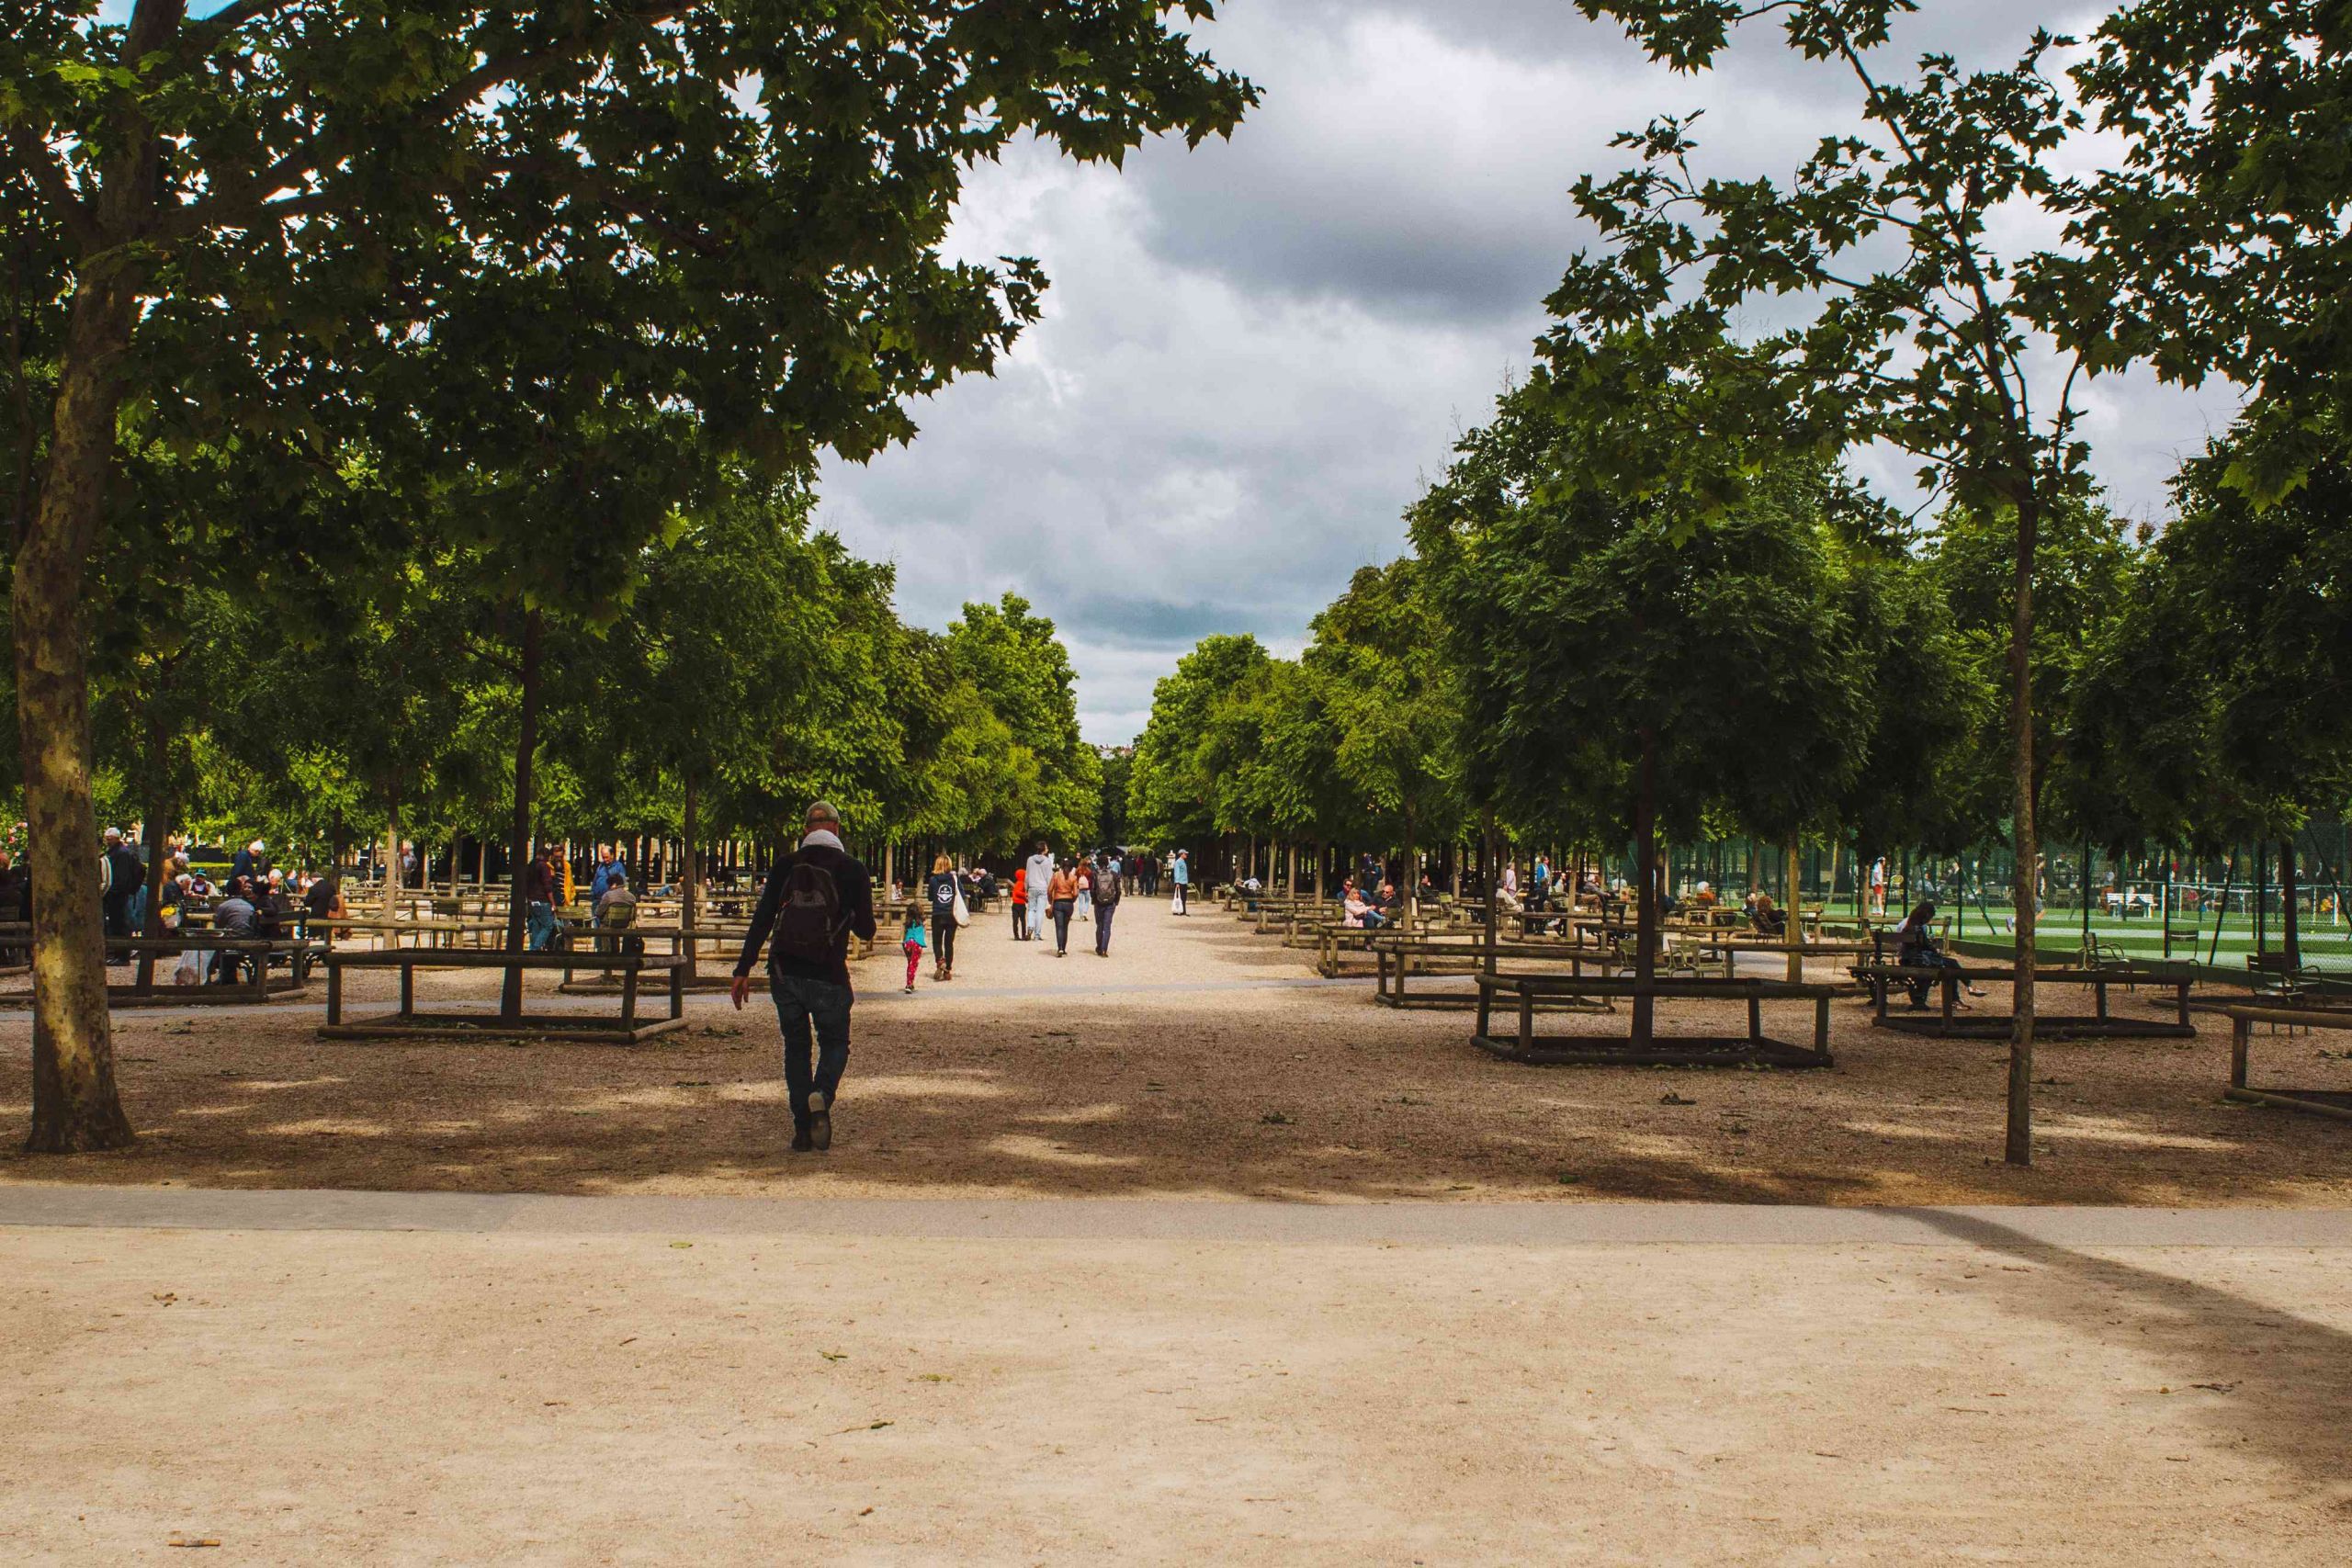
{"x": 1198, "y": 1060}
{"x": 319, "y": 1396}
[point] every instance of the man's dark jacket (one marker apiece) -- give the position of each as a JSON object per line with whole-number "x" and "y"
{"x": 852, "y": 884}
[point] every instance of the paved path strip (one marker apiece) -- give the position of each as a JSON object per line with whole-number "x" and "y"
{"x": 1456, "y": 1225}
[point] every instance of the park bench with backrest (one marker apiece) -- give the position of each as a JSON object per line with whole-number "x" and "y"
{"x": 2276, "y": 981}
{"x": 408, "y": 1020}
{"x": 1523, "y": 997}
{"x": 1945, "y": 1021}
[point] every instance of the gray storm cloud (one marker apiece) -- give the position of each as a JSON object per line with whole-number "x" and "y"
{"x": 1254, "y": 354}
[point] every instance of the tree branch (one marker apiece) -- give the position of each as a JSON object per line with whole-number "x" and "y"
{"x": 50, "y": 177}
{"x": 208, "y": 32}
{"x": 250, "y": 199}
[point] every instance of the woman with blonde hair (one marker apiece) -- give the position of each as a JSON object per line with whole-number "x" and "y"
{"x": 942, "y": 887}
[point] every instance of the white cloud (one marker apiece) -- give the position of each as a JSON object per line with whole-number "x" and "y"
{"x": 1253, "y": 353}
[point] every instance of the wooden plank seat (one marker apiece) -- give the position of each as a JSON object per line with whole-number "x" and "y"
{"x": 433, "y": 933}
{"x": 1522, "y": 995}
{"x": 1288, "y": 916}
{"x": 408, "y": 1021}
{"x": 264, "y": 968}
{"x": 1433, "y": 955}
{"x": 1947, "y": 1023}
{"x": 2331, "y": 1102}
{"x": 717, "y": 944}
{"x": 1334, "y": 940}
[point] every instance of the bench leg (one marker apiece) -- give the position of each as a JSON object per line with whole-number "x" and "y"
{"x": 1526, "y": 1021}
{"x": 407, "y": 989}
{"x": 629, "y": 1000}
{"x": 678, "y": 993}
{"x": 1754, "y": 1017}
{"x": 335, "y": 994}
{"x": 2241, "y": 1031}
{"x": 1821, "y": 1026}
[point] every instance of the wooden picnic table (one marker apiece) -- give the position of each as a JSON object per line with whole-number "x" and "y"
{"x": 258, "y": 958}
{"x": 1333, "y": 937}
{"x": 2101, "y": 1024}
{"x": 1431, "y": 955}
{"x": 434, "y": 933}
{"x": 1524, "y": 992}
{"x": 2331, "y": 1102}
{"x": 719, "y": 942}
{"x": 409, "y": 1022}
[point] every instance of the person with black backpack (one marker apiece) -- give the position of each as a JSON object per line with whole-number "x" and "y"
{"x": 815, "y": 899}
{"x": 1106, "y": 904}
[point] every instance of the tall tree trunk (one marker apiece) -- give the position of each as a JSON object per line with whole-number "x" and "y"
{"x": 392, "y": 870}
{"x": 75, "y": 1105}
{"x": 1491, "y": 878}
{"x": 1645, "y": 889}
{"x": 690, "y": 915}
{"x": 527, "y": 746}
{"x": 157, "y": 811}
{"x": 1793, "y": 914}
{"x": 2291, "y": 922}
{"x": 2026, "y": 836}
{"x": 1413, "y": 870}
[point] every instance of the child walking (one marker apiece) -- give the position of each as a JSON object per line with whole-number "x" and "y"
{"x": 914, "y": 943}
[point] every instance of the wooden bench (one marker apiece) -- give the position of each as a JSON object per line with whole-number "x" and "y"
{"x": 2099, "y": 1024}
{"x": 2337, "y": 1103}
{"x": 1432, "y": 955}
{"x": 717, "y": 943}
{"x": 258, "y": 960}
{"x": 1525, "y": 993}
{"x": 1335, "y": 938}
{"x": 409, "y": 1022}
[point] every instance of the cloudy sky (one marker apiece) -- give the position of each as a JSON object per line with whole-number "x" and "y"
{"x": 1254, "y": 354}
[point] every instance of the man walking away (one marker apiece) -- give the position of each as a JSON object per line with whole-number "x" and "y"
{"x": 1106, "y": 904}
{"x": 1181, "y": 873}
{"x": 1041, "y": 875}
{"x": 816, "y": 898}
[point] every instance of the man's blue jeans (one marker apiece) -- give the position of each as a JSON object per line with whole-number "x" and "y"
{"x": 800, "y": 1004}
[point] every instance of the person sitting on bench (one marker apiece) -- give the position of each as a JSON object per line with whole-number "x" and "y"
{"x": 234, "y": 919}
{"x": 1766, "y": 917}
{"x": 1915, "y": 948}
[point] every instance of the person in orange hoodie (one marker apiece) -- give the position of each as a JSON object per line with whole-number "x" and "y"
{"x": 1020, "y": 903}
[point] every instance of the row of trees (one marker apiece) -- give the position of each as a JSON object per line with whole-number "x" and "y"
{"x": 1644, "y": 598}
{"x": 469, "y": 357}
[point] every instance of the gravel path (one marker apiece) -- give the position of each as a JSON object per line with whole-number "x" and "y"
{"x": 1198, "y": 1062}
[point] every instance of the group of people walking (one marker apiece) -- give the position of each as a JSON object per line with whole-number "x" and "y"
{"x": 1085, "y": 887}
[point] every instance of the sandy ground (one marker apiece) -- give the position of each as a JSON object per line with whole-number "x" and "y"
{"x": 1171, "y": 1381}
{"x": 319, "y": 1397}
{"x": 1199, "y": 1061}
